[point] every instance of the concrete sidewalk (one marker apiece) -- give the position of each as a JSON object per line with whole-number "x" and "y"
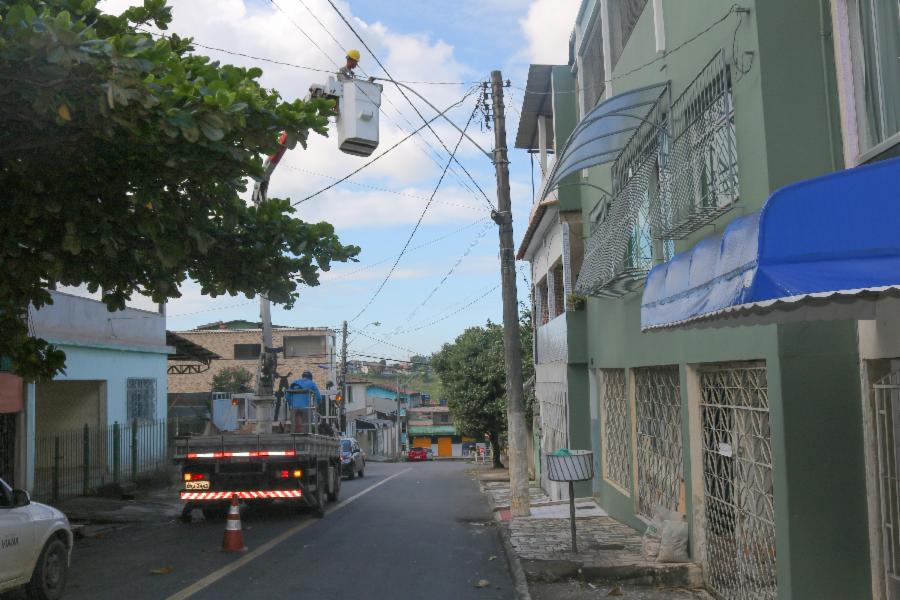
{"x": 610, "y": 559}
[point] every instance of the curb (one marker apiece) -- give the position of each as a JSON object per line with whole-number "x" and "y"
{"x": 520, "y": 582}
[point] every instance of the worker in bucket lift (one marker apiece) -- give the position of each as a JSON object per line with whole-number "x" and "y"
{"x": 346, "y": 72}
{"x": 306, "y": 383}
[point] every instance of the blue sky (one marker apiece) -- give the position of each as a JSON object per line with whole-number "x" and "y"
{"x": 420, "y": 307}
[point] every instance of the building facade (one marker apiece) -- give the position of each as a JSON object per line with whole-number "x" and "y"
{"x": 689, "y": 117}
{"x": 303, "y": 349}
{"x": 115, "y": 375}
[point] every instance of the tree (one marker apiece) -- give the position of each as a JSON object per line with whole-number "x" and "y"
{"x": 122, "y": 163}
{"x": 232, "y": 379}
{"x": 473, "y": 377}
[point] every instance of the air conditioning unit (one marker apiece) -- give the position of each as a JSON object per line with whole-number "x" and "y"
{"x": 358, "y": 103}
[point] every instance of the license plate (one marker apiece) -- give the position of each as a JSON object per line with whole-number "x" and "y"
{"x": 196, "y": 485}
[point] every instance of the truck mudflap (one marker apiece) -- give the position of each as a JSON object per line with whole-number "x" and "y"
{"x": 242, "y": 494}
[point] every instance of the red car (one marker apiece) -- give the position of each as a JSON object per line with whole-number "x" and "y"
{"x": 416, "y": 454}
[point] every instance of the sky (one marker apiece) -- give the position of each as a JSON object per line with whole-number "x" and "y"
{"x": 448, "y": 279}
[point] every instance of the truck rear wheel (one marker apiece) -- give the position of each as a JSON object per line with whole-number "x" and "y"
{"x": 319, "y": 508}
{"x": 336, "y": 494}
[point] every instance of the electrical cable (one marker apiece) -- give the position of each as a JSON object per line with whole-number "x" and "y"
{"x": 455, "y": 312}
{"x": 411, "y": 103}
{"x": 414, "y": 248}
{"x": 381, "y": 189}
{"x": 370, "y": 161}
{"x": 289, "y": 64}
{"x": 418, "y": 223}
{"x": 306, "y": 35}
{"x": 380, "y": 341}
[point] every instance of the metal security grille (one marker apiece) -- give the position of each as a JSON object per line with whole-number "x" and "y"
{"x": 658, "y": 438}
{"x": 8, "y": 447}
{"x": 887, "y": 431}
{"x": 739, "y": 516}
{"x": 616, "y": 450}
{"x": 623, "y": 245}
{"x": 141, "y": 396}
{"x": 698, "y": 167}
{"x": 551, "y": 397}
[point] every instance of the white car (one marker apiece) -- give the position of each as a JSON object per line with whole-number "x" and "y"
{"x": 35, "y": 545}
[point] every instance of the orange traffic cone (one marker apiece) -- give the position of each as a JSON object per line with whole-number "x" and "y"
{"x": 234, "y": 537}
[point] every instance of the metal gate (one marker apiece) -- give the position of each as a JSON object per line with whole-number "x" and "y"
{"x": 658, "y": 438}
{"x": 739, "y": 515}
{"x": 8, "y": 447}
{"x": 887, "y": 431}
{"x": 615, "y": 447}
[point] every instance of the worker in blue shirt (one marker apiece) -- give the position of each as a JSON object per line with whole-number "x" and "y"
{"x": 306, "y": 383}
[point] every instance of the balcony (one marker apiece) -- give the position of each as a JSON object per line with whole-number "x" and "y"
{"x": 551, "y": 341}
{"x": 698, "y": 169}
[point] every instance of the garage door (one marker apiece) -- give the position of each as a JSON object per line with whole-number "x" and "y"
{"x": 445, "y": 446}
{"x": 422, "y": 442}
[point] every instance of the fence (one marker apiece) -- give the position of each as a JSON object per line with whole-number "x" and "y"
{"x": 80, "y": 462}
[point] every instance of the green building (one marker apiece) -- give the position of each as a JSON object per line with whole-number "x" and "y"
{"x": 673, "y": 120}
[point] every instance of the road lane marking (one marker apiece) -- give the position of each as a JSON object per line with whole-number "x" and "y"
{"x": 234, "y": 566}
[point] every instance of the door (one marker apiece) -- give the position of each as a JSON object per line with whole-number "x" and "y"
{"x": 422, "y": 442}
{"x": 15, "y": 541}
{"x": 8, "y": 446}
{"x": 445, "y": 446}
{"x": 739, "y": 506}
{"x": 887, "y": 431}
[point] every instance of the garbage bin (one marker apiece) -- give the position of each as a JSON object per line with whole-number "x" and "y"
{"x": 575, "y": 465}
{"x": 570, "y": 466}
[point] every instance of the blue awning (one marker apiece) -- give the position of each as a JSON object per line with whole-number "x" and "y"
{"x": 602, "y": 134}
{"x": 819, "y": 249}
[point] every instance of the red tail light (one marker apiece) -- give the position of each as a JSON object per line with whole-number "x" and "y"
{"x": 194, "y": 476}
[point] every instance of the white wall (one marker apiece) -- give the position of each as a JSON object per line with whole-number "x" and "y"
{"x": 547, "y": 245}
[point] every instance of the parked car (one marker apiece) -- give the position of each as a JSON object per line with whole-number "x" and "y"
{"x": 429, "y": 454}
{"x": 416, "y": 454}
{"x": 353, "y": 461}
{"x": 35, "y": 545}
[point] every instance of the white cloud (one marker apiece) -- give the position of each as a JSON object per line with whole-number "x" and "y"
{"x": 547, "y": 27}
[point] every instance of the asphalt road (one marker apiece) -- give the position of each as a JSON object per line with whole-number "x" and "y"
{"x": 412, "y": 531}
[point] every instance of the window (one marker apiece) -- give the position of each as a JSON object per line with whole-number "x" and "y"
{"x": 591, "y": 74}
{"x": 875, "y": 38}
{"x": 443, "y": 418}
{"x": 304, "y": 346}
{"x": 247, "y": 351}
{"x": 559, "y": 291}
{"x": 623, "y": 16}
{"x": 542, "y": 302}
{"x": 141, "y": 399}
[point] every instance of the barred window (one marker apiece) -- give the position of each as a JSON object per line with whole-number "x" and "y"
{"x": 623, "y": 16}
{"x": 247, "y": 351}
{"x": 141, "y": 399}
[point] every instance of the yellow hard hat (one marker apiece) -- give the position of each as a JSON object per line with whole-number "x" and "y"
{"x": 354, "y": 54}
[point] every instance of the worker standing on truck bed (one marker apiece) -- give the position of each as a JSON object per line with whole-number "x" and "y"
{"x": 308, "y": 397}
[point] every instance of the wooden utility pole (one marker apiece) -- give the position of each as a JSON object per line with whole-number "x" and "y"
{"x": 512, "y": 344}
{"x": 343, "y": 379}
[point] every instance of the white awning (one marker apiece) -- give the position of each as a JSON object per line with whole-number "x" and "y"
{"x": 600, "y": 137}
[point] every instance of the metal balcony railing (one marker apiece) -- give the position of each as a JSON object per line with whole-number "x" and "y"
{"x": 698, "y": 169}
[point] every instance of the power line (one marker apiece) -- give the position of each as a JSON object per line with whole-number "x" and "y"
{"x": 414, "y": 248}
{"x": 382, "y": 189}
{"x": 282, "y": 63}
{"x": 306, "y": 35}
{"x": 385, "y": 342}
{"x": 418, "y": 223}
{"x": 455, "y": 312}
{"x": 411, "y": 103}
{"x": 370, "y": 161}
{"x": 449, "y": 273}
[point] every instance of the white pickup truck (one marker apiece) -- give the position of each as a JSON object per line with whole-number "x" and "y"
{"x": 35, "y": 545}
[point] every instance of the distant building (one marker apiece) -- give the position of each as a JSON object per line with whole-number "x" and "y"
{"x": 302, "y": 349}
{"x": 433, "y": 427}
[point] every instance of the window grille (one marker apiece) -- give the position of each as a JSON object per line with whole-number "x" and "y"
{"x": 616, "y": 449}
{"x": 698, "y": 166}
{"x": 247, "y": 351}
{"x": 739, "y": 515}
{"x": 887, "y": 423}
{"x": 658, "y": 438}
{"x": 623, "y": 16}
{"x": 141, "y": 399}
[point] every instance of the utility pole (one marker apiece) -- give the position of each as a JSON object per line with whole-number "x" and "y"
{"x": 520, "y": 504}
{"x": 399, "y": 423}
{"x": 343, "y": 382}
